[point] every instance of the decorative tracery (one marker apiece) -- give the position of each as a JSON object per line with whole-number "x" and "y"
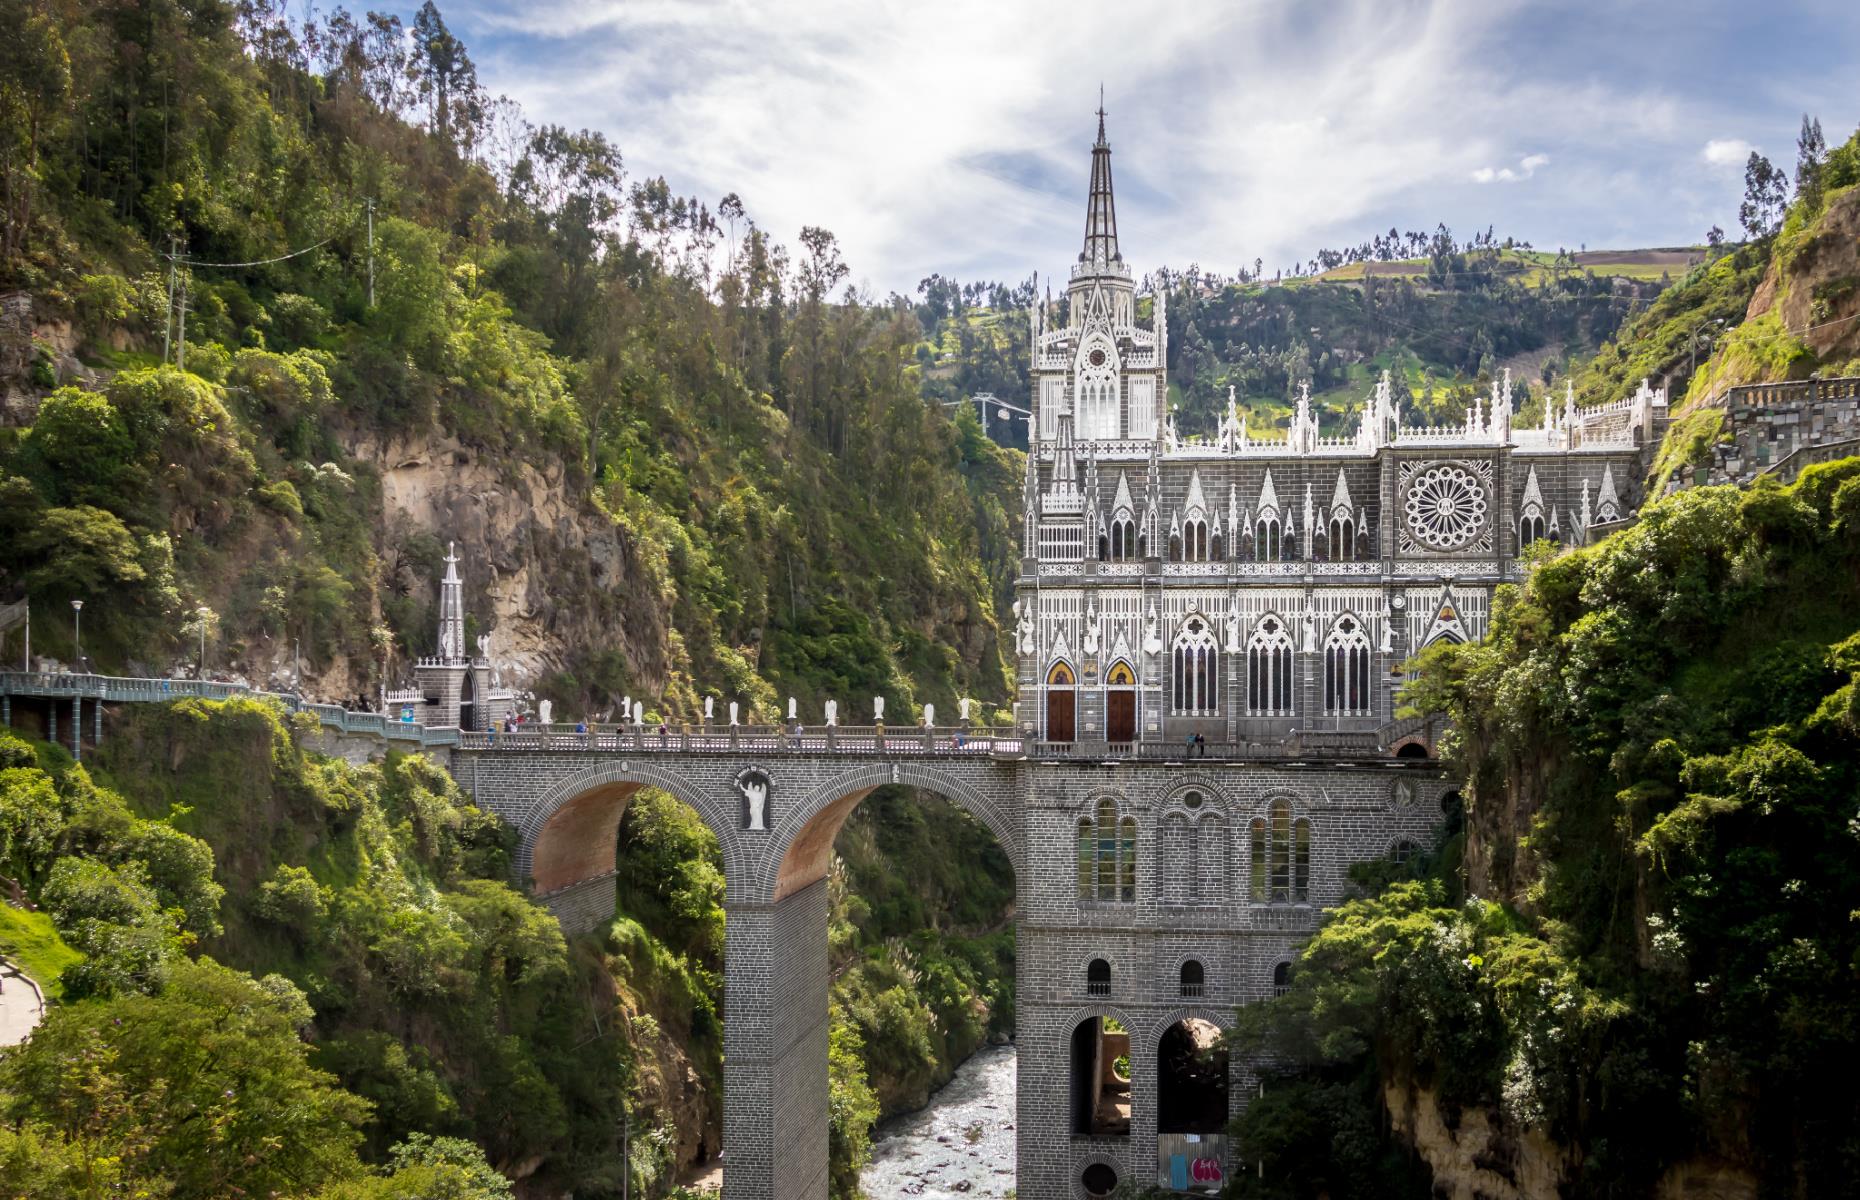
{"x": 1346, "y": 669}
{"x": 1445, "y": 507}
{"x": 1197, "y": 666}
{"x": 1269, "y": 669}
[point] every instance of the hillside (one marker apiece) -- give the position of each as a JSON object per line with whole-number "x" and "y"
{"x": 678, "y": 460}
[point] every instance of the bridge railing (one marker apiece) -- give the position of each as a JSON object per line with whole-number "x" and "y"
{"x": 753, "y": 739}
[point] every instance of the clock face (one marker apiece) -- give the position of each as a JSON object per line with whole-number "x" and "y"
{"x": 1096, "y": 358}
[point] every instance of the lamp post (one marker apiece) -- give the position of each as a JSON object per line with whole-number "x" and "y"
{"x": 1692, "y": 344}
{"x": 202, "y": 615}
{"x": 77, "y": 629}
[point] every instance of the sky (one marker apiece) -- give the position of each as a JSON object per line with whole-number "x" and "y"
{"x": 955, "y": 138}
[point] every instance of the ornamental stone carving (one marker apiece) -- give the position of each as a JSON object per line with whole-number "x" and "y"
{"x": 1446, "y": 507}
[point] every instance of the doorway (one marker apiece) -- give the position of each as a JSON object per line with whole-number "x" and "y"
{"x": 1120, "y": 704}
{"x": 1061, "y": 704}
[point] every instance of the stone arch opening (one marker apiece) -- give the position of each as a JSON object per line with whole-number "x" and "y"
{"x": 1100, "y": 1072}
{"x": 1099, "y": 1180}
{"x": 1412, "y": 750}
{"x": 1191, "y": 1078}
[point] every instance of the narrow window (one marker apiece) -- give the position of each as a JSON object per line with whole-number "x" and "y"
{"x": 1098, "y": 978}
{"x": 1193, "y": 980}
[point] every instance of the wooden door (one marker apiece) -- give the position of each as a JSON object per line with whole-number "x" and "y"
{"x": 1120, "y": 715}
{"x": 1061, "y": 708}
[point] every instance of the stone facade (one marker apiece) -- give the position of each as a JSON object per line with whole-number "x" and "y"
{"x": 1779, "y": 428}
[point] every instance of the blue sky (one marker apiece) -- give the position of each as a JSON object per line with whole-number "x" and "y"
{"x": 955, "y": 137}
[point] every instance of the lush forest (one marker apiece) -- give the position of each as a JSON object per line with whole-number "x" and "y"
{"x": 287, "y": 308}
{"x": 1631, "y": 959}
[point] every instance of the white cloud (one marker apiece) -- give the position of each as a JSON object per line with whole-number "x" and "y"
{"x": 1726, "y": 152}
{"x": 955, "y": 137}
{"x": 1527, "y": 167}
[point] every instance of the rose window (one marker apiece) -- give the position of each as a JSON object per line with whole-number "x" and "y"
{"x": 1446, "y": 508}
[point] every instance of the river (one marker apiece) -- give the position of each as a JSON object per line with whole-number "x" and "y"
{"x": 960, "y": 1145}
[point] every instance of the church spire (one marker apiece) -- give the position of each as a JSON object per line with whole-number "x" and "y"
{"x": 451, "y": 610}
{"x": 1100, "y": 210}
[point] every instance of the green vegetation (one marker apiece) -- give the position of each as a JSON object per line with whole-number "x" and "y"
{"x": 1660, "y": 742}
{"x": 295, "y": 1065}
{"x": 921, "y": 949}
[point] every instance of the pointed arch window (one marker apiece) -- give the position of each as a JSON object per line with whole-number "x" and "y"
{"x": 1196, "y": 662}
{"x": 1281, "y": 859}
{"x": 1530, "y": 527}
{"x": 1195, "y": 540}
{"x": 1342, "y": 536}
{"x": 1123, "y": 539}
{"x": 1347, "y": 686}
{"x": 1266, "y": 537}
{"x": 1269, "y": 669}
{"x": 1107, "y": 855}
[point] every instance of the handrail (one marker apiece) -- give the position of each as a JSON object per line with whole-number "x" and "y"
{"x": 891, "y": 741}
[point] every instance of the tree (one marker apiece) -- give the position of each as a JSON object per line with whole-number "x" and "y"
{"x": 447, "y": 80}
{"x": 1714, "y": 239}
{"x": 1765, "y": 190}
{"x": 225, "y": 1101}
{"x": 1810, "y": 150}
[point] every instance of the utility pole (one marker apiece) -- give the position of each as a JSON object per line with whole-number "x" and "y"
{"x": 167, "y": 329}
{"x": 371, "y": 251}
{"x": 180, "y": 342}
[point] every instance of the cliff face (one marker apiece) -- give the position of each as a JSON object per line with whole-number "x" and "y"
{"x": 551, "y": 577}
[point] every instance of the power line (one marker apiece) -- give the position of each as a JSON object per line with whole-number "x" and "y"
{"x": 262, "y": 262}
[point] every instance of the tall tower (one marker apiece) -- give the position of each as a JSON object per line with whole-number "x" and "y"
{"x": 451, "y": 611}
{"x": 1100, "y": 366}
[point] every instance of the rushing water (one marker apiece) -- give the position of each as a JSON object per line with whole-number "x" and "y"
{"x": 961, "y": 1145}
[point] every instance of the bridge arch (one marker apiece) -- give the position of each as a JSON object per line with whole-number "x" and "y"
{"x": 569, "y": 835}
{"x": 802, "y": 845}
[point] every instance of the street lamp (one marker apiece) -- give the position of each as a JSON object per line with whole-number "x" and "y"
{"x": 77, "y": 629}
{"x": 203, "y": 614}
{"x": 1692, "y": 344}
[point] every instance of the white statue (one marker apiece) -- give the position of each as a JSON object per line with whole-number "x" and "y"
{"x": 962, "y": 706}
{"x": 793, "y": 713}
{"x": 484, "y": 645}
{"x": 1310, "y": 639}
{"x": 1152, "y": 639}
{"x": 1233, "y": 631}
{"x": 709, "y": 703}
{"x": 1388, "y": 637}
{"x": 547, "y": 711}
{"x": 833, "y": 712}
{"x": 1091, "y": 628}
{"x": 878, "y": 709}
{"x": 626, "y": 708}
{"x": 639, "y": 712}
{"x": 732, "y": 712}
{"x": 756, "y": 791}
{"x": 929, "y": 716}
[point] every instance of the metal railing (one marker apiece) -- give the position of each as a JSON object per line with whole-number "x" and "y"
{"x": 125, "y": 689}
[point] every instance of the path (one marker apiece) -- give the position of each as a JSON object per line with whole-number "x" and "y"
{"x": 21, "y": 1006}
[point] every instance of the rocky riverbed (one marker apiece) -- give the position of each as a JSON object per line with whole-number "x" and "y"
{"x": 961, "y": 1144}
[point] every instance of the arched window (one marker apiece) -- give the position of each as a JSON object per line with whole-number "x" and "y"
{"x": 1530, "y": 528}
{"x": 1197, "y": 664}
{"x": 1195, "y": 540}
{"x": 1404, "y": 851}
{"x": 1098, "y": 978}
{"x": 1281, "y": 979}
{"x": 1269, "y": 669}
{"x": 1347, "y": 686}
{"x": 1194, "y": 980}
{"x": 1123, "y": 539}
{"x": 1343, "y": 539}
{"x": 1107, "y": 854}
{"x": 1281, "y": 867}
{"x": 1266, "y": 538}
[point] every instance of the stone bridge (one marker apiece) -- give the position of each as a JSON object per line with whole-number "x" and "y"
{"x": 1152, "y": 888}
